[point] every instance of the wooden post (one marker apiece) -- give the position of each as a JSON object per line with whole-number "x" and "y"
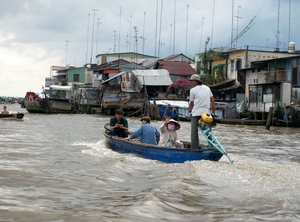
{"x": 166, "y": 111}
{"x": 286, "y": 115}
{"x": 156, "y": 110}
{"x": 270, "y": 117}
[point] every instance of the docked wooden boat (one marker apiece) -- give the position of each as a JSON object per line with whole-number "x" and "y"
{"x": 237, "y": 121}
{"x": 176, "y": 109}
{"x": 35, "y": 104}
{"x": 161, "y": 153}
{"x": 12, "y": 116}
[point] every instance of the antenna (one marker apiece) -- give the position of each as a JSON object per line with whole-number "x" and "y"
{"x": 186, "y": 33}
{"x": 87, "y": 38}
{"x": 93, "y": 36}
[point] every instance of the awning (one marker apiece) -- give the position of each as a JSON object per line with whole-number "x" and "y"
{"x": 227, "y": 88}
{"x": 221, "y": 83}
{"x": 61, "y": 88}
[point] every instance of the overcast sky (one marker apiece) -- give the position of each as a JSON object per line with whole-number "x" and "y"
{"x": 37, "y": 34}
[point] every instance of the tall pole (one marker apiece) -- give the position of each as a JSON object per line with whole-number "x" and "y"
{"x": 120, "y": 29}
{"x": 144, "y": 32}
{"x": 170, "y": 46}
{"x": 159, "y": 45}
{"x": 237, "y": 26}
{"x": 186, "y": 32}
{"x": 98, "y": 23}
{"x": 114, "y": 41}
{"x": 232, "y": 16}
{"x": 156, "y": 19}
{"x": 87, "y": 39}
{"x": 212, "y": 25}
{"x": 289, "y": 21}
{"x": 67, "y": 51}
{"x": 201, "y": 35}
{"x": 277, "y": 36}
{"x": 174, "y": 26}
{"x": 130, "y": 33}
{"x": 91, "y": 60}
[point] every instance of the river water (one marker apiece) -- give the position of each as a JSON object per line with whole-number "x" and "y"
{"x": 59, "y": 168}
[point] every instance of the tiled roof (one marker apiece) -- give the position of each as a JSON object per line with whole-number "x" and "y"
{"x": 176, "y": 68}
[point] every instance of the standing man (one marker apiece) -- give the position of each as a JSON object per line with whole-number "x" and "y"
{"x": 147, "y": 132}
{"x": 118, "y": 124}
{"x": 201, "y": 100}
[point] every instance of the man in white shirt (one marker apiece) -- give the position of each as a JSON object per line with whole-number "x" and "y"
{"x": 201, "y": 100}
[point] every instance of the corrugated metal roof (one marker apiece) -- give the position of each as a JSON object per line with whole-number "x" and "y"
{"x": 153, "y": 77}
{"x": 177, "y": 68}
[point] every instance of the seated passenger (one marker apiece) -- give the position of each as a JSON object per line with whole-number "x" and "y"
{"x": 147, "y": 132}
{"x": 169, "y": 135}
{"x": 5, "y": 111}
{"x": 118, "y": 124}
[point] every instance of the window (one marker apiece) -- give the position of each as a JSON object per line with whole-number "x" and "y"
{"x": 75, "y": 77}
{"x": 232, "y": 65}
{"x": 238, "y": 64}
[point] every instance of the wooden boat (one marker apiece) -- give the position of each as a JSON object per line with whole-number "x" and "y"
{"x": 236, "y": 121}
{"x": 12, "y": 116}
{"x": 162, "y": 153}
{"x": 35, "y": 104}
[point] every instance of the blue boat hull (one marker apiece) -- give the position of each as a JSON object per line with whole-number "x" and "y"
{"x": 161, "y": 153}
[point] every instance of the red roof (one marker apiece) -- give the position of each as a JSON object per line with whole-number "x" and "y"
{"x": 176, "y": 68}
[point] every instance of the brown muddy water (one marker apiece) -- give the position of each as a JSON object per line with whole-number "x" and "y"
{"x": 59, "y": 168}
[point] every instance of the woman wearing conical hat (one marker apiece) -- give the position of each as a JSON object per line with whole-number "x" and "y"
{"x": 168, "y": 136}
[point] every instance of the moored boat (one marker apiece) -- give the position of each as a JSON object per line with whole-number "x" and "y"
{"x": 50, "y": 104}
{"x": 237, "y": 121}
